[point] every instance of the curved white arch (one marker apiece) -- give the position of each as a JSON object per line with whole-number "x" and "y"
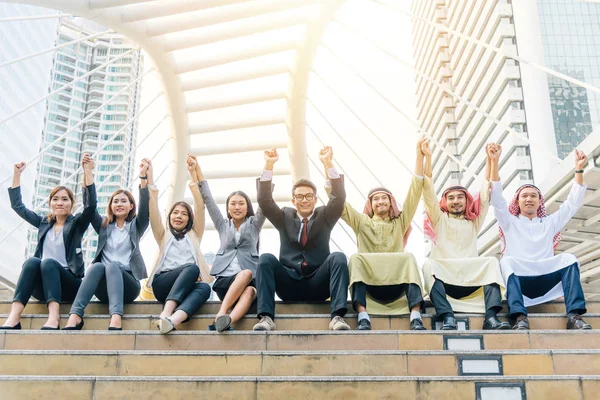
{"x": 162, "y": 27}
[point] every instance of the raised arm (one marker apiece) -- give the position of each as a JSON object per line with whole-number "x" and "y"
{"x": 574, "y": 200}
{"x": 337, "y": 197}
{"x": 16, "y": 201}
{"x": 349, "y": 214}
{"x": 213, "y": 210}
{"x": 158, "y": 229}
{"x": 96, "y": 218}
{"x": 90, "y": 201}
{"x": 497, "y": 201}
{"x": 411, "y": 202}
{"x": 143, "y": 213}
{"x": 265, "y": 191}
{"x": 432, "y": 206}
{"x": 484, "y": 196}
{"x": 199, "y": 218}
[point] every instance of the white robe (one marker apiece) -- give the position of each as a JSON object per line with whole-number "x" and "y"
{"x": 529, "y": 243}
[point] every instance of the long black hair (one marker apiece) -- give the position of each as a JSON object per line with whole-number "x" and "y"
{"x": 249, "y": 210}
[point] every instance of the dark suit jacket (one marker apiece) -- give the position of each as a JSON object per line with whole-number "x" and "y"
{"x": 138, "y": 226}
{"x": 286, "y": 221}
{"x": 73, "y": 231}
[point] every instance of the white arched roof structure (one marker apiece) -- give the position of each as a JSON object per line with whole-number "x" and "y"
{"x": 179, "y": 37}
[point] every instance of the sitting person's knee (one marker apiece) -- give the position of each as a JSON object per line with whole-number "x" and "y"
{"x": 245, "y": 274}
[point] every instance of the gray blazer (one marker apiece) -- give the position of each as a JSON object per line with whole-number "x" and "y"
{"x": 138, "y": 226}
{"x": 247, "y": 249}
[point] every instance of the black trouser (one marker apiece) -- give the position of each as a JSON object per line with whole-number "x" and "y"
{"x": 181, "y": 285}
{"x": 537, "y": 286}
{"x": 491, "y": 293}
{"x": 329, "y": 280}
{"x": 386, "y": 293}
{"x": 46, "y": 281}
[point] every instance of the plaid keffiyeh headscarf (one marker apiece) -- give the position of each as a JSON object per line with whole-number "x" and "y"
{"x": 472, "y": 209}
{"x": 515, "y": 210}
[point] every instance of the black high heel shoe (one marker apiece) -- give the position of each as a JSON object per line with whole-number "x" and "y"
{"x": 74, "y": 328}
{"x": 16, "y": 327}
{"x": 114, "y": 328}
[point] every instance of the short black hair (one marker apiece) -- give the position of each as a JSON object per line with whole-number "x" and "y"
{"x": 304, "y": 182}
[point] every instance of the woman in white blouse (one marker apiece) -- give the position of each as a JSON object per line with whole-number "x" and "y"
{"x": 174, "y": 278}
{"x": 118, "y": 265}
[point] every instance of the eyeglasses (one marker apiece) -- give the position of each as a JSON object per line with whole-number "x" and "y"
{"x": 308, "y": 196}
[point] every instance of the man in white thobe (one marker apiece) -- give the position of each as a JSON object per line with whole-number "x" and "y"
{"x": 533, "y": 273}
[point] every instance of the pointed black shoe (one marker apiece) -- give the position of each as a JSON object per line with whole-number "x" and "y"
{"x": 113, "y": 328}
{"x": 74, "y": 328}
{"x": 417, "y": 325}
{"x": 16, "y": 327}
{"x": 449, "y": 324}
{"x": 493, "y": 323}
{"x": 49, "y": 328}
{"x": 364, "y": 325}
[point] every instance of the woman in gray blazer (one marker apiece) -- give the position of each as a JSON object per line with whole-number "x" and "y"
{"x": 237, "y": 258}
{"x": 54, "y": 272}
{"x": 118, "y": 265}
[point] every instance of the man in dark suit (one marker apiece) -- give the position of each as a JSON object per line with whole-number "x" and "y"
{"x": 306, "y": 270}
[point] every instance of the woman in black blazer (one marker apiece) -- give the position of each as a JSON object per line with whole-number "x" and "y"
{"x": 54, "y": 273}
{"x": 118, "y": 265}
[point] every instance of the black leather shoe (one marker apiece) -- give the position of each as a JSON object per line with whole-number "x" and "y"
{"x": 49, "y": 328}
{"x": 574, "y": 321}
{"x": 521, "y": 324}
{"x": 74, "y": 328}
{"x": 449, "y": 324}
{"x": 364, "y": 325}
{"x": 16, "y": 327}
{"x": 493, "y": 323}
{"x": 417, "y": 325}
{"x": 113, "y": 328}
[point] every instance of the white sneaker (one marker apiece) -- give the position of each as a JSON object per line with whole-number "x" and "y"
{"x": 338, "y": 324}
{"x": 265, "y": 324}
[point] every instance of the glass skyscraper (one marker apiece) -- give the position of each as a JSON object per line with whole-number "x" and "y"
{"x": 65, "y": 111}
{"x": 570, "y": 32}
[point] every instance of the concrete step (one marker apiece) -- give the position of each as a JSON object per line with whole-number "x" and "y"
{"x": 256, "y": 387}
{"x": 212, "y": 307}
{"x": 300, "y": 340}
{"x": 300, "y": 363}
{"x": 295, "y": 322}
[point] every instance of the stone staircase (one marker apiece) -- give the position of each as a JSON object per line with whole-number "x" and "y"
{"x": 300, "y": 360}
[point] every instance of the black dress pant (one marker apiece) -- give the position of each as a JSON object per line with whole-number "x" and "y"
{"x": 47, "y": 281}
{"x": 491, "y": 293}
{"x": 181, "y": 285}
{"x": 329, "y": 280}
{"x": 386, "y": 293}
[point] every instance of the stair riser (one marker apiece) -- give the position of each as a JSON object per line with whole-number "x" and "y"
{"x": 292, "y": 342}
{"x": 456, "y": 390}
{"x": 282, "y": 365}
